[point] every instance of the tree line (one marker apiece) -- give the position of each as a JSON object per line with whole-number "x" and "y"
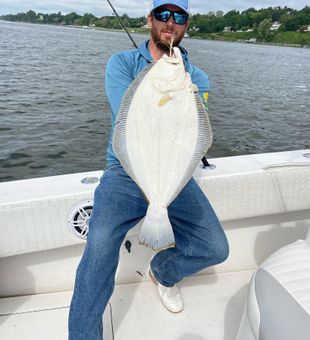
{"x": 75, "y": 19}
{"x": 290, "y": 19}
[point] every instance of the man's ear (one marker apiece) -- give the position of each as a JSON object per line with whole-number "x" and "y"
{"x": 150, "y": 20}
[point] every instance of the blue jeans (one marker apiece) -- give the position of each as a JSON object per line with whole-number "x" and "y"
{"x": 118, "y": 206}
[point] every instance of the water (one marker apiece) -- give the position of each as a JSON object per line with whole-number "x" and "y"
{"x": 55, "y": 118}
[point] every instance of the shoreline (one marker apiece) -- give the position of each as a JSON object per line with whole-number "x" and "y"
{"x": 146, "y": 31}
{"x": 242, "y": 41}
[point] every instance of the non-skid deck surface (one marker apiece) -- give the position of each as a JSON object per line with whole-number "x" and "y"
{"x": 40, "y": 317}
{"x": 213, "y": 308}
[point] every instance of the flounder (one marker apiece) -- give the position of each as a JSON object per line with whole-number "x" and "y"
{"x": 161, "y": 133}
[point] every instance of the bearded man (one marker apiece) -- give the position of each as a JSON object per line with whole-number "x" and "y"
{"x": 119, "y": 204}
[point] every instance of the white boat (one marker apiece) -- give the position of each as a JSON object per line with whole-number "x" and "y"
{"x": 262, "y": 200}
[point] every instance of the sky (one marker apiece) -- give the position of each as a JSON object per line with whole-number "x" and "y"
{"x": 135, "y": 8}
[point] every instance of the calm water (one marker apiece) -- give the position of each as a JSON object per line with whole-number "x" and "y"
{"x": 55, "y": 119}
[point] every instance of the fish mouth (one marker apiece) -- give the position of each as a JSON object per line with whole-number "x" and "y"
{"x": 171, "y": 60}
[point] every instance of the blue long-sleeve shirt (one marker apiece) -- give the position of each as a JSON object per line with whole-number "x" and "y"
{"x": 122, "y": 68}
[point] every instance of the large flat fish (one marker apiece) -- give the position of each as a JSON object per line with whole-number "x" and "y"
{"x": 161, "y": 133}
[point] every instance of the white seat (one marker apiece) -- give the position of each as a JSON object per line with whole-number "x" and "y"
{"x": 278, "y": 301}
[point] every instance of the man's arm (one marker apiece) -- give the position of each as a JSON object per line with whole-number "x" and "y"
{"x": 201, "y": 79}
{"x": 118, "y": 77}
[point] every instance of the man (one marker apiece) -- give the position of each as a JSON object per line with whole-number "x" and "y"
{"x": 119, "y": 204}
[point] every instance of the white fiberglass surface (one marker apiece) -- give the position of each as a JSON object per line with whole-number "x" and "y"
{"x": 40, "y": 317}
{"x": 213, "y": 309}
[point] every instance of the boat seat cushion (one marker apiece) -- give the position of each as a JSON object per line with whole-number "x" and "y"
{"x": 278, "y": 304}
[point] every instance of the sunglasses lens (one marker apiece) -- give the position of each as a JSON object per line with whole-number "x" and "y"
{"x": 179, "y": 18}
{"x": 162, "y": 16}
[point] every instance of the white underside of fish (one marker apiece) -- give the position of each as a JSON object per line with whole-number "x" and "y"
{"x": 162, "y": 132}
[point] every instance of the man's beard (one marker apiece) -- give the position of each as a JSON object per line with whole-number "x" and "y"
{"x": 163, "y": 45}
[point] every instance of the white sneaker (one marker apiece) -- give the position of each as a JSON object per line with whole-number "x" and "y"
{"x": 170, "y": 297}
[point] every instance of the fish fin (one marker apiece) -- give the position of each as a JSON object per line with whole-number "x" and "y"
{"x": 164, "y": 100}
{"x": 156, "y": 230}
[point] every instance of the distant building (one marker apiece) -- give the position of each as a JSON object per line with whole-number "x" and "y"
{"x": 275, "y": 26}
{"x": 145, "y": 26}
{"x": 227, "y": 29}
{"x": 250, "y": 30}
{"x": 308, "y": 28}
{"x": 195, "y": 29}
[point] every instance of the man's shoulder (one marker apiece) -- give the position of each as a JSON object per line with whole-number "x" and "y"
{"x": 130, "y": 62}
{"x": 124, "y": 56}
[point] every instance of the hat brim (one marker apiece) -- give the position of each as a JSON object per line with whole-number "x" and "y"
{"x": 169, "y": 3}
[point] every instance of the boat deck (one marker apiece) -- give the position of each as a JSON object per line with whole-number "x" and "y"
{"x": 262, "y": 200}
{"x": 213, "y": 308}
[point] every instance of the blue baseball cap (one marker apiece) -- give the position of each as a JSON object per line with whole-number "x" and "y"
{"x": 184, "y": 4}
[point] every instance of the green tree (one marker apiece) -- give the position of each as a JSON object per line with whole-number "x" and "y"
{"x": 87, "y": 19}
{"x": 264, "y": 29}
{"x": 70, "y": 18}
{"x": 31, "y": 16}
{"x": 233, "y": 19}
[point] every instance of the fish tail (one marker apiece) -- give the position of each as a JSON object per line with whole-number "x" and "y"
{"x": 156, "y": 230}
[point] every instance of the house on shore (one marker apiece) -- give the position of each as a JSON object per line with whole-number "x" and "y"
{"x": 275, "y": 26}
{"x": 227, "y": 29}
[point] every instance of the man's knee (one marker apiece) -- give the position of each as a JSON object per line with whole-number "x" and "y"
{"x": 100, "y": 256}
{"x": 221, "y": 251}
{"x": 219, "y": 244}
{"x": 217, "y": 251}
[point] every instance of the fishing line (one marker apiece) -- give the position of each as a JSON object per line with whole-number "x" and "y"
{"x": 162, "y": 47}
{"x": 122, "y": 24}
{"x": 171, "y": 46}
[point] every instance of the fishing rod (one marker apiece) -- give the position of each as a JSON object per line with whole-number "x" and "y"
{"x": 206, "y": 164}
{"x": 122, "y": 24}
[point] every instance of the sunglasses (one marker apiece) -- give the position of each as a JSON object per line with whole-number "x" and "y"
{"x": 180, "y": 17}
